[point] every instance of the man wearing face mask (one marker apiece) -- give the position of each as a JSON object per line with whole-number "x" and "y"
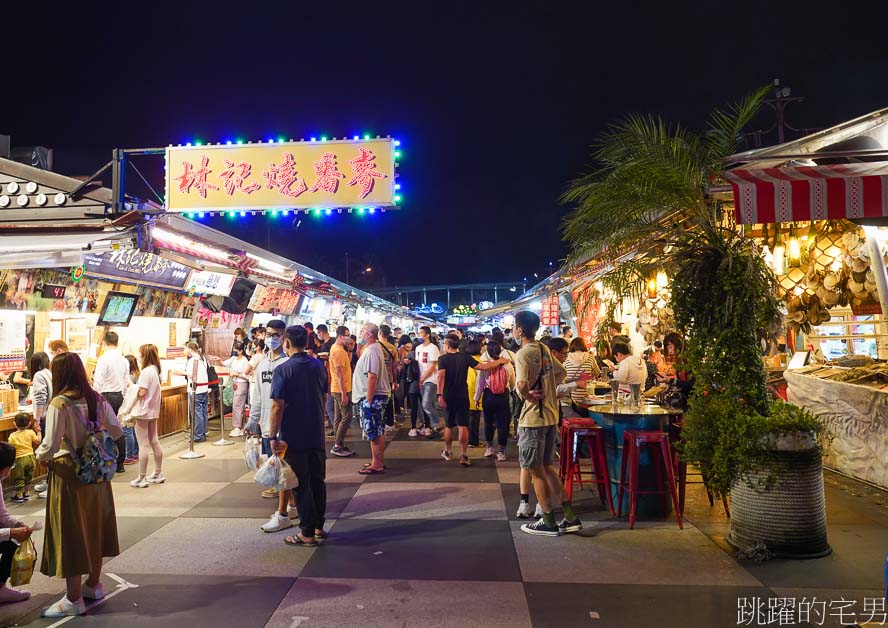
{"x": 260, "y": 419}
{"x": 297, "y": 432}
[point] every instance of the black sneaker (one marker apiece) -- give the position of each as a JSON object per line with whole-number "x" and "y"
{"x": 540, "y": 528}
{"x": 567, "y": 527}
{"x": 121, "y": 468}
{"x": 18, "y": 500}
{"x": 346, "y": 452}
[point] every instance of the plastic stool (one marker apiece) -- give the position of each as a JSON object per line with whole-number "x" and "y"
{"x": 658, "y": 442}
{"x": 573, "y": 429}
{"x": 681, "y": 472}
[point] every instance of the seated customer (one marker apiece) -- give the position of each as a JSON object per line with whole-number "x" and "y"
{"x": 12, "y": 532}
{"x": 630, "y": 368}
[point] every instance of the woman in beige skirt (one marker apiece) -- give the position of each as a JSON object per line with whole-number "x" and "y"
{"x": 81, "y": 525}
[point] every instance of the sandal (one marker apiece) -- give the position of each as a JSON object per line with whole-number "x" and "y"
{"x": 295, "y": 540}
{"x": 320, "y": 535}
{"x": 369, "y": 471}
{"x": 369, "y": 464}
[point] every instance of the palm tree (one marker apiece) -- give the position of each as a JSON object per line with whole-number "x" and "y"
{"x": 645, "y": 208}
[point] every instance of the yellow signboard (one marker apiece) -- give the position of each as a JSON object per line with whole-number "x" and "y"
{"x": 283, "y": 175}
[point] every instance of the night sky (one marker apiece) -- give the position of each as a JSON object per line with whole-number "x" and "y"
{"x": 495, "y": 104}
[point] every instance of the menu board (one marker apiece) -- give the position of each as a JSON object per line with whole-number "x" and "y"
{"x": 137, "y": 267}
{"x": 267, "y": 300}
{"x": 210, "y": 282}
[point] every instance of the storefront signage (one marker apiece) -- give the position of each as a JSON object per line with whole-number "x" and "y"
{"x": 587, "y": 307}
{"x": 550, "y": 315}
{"x": 210, "y": 282}
{"x": 137, "y": 267}
{"x": 285, "y": 175}
{"x": 282, "y": 300}
{"x": 23, "y": 290}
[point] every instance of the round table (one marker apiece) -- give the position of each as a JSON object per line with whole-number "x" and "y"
{"x": 616, "y": 419}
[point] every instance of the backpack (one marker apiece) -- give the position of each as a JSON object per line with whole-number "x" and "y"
{"x": 498, "y": 380}
{"x": 212, "y": 376}
{"x": 97, "y": 460}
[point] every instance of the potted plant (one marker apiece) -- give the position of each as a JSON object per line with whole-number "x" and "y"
{"x": 649, "y": 197}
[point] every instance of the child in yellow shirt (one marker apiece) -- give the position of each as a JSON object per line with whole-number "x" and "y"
{"x": 24, "y": 439}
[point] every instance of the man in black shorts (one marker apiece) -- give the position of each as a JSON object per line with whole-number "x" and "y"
{"x": 453, "y": 394}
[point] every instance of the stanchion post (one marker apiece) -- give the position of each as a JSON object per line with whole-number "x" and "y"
{"x": 222, "y": 442}
{"x": 192, "y": 411}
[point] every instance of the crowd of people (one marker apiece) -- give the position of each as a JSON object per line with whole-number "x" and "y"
{"x": 297, "y": 387}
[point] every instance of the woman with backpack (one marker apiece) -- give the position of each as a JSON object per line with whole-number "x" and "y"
{"x": 493, "y": 392}
{"x": 81, "y": 525}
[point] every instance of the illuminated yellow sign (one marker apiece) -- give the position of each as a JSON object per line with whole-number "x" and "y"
{"x": 284, "y": 175}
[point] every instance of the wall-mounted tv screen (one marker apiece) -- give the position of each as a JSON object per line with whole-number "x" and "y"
{"x": 118, "y": 309}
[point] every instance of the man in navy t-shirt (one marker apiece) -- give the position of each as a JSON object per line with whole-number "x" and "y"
{"x": 297, "y": 431}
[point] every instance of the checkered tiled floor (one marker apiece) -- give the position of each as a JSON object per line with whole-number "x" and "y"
{"x": 433, "y": 544}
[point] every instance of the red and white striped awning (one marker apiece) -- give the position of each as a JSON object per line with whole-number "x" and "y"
{"x": 801, "y": 193}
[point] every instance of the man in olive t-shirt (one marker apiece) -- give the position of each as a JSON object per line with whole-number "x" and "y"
{"x": 537, "y": 374}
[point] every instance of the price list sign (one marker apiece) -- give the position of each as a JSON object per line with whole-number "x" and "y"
{"x": 550, "y": 315}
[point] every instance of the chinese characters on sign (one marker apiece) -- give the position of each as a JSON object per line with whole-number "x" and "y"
{"x": 284, "y": 175}
{"x": 138, "y": 267}
{"x": 209, "y": 282}
{"x": 550, "y": 315}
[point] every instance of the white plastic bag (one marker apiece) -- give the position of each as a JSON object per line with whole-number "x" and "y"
{"x": 252, "y": 452}
{"x": 269, "y": 472}
{"x": 287, "y": 479}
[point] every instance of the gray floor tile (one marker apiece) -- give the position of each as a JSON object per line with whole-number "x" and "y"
{"x": 195, "y": 600}
{"x": 557, "y": 605}
{"x": 198, "y": 470}
{"x": 419, "y": 549}
{"x": 426, "y": 501}
{"x": 338, "y": 602}
{"x": 608, "y": 552}
{"x": 243, "y": 500}
{"x": 857, "y": 562}
{"x": 437, "y": 470}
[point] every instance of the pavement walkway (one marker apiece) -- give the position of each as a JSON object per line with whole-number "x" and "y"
{"x": 430, "y": 543}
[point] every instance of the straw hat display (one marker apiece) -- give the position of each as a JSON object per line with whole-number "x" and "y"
{"x": 654, "y": 319}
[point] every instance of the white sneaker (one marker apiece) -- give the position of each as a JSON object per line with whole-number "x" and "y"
{"x": 93, "y": 593}
{"x": 41, "y": 495}
{"x": 501, "y": 456}
{"x": 447, "y": 455}
{"x": 425, "y": 432}
{"x": 292, "y": 513}
{"x": 389, "y": 429}
{"x": 276, "y": 522}
{"x": 538, "y": 513}
{"x": 236, "y": 432}
{"x": 523, "y": 510}
{"x": 65, "y": 608}
{"x": 156, "y": 478}
{"x": 8, "y": 595}
{"x": 488, "y": 452}
{"x": 140, "y": 482}
{"x": 413, "y": 432}
{"x": 41, "y": 487}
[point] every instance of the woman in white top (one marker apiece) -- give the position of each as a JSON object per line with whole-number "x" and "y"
{"x": 196, "y": 374}
{"x": 237, "y": 370}
{"x": 41, "y": 388}
{"x": 145, "y": 413}
{"x": 81, "y": 524}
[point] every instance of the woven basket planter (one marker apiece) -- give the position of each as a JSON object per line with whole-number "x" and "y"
{"x": 789, "y": 517}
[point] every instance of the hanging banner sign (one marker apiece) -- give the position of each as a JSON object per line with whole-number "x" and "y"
{"x": 284, "y": 175}
{"x": 587, "y": 307}
{"x": 137, "y": 267}
{"x": 269, "y": 300}
{"x": 211, "y": 282}
{"x": 550, "y": 315}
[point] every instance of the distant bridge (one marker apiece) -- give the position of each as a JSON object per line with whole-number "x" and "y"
{"x": 452, "y": 294}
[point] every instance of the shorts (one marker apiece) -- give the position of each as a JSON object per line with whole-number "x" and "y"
{"x": 536, "y": 446}
{"x": 456, "y": 414}
{"x": 372, "y": 417}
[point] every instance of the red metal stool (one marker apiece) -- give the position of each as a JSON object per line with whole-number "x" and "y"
{"x": 681, "y": 470}
{"x": 658, "y": 443}
{"x": 572, "y": 429}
